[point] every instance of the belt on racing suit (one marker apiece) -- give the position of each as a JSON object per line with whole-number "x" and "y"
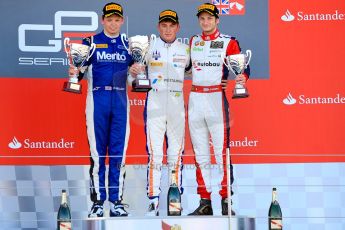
{"x": 206, "y": 89}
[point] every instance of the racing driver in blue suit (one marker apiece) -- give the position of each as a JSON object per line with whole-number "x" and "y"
{"x": 107, "y": 111}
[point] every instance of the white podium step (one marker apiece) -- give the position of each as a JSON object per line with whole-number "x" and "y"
{"x": 171, "y": 223}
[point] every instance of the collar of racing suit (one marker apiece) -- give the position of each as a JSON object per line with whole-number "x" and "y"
{"x": 208, "y": 37}
{"x": 109, "y": 36}
{"x": 167, "y": 44}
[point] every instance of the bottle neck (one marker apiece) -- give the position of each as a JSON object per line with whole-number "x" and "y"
{"x": 274, "y": 195}
{"x": 173, "y": 178}
{"x": 64, "y": 198}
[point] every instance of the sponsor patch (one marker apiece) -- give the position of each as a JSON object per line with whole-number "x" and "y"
{"x": 179, "y": 65}
{"x": 197, "y": 49}
{"x": 206, "y": 7}
{"x": 113, "y": 7}
{"x": 167, "y": 13}
{"x": 217, "y": 44}
{"x": 181, "y": 60}
{"x": 156, "y": 64}
{"x": 156, "y": 55}
{"x": 104, "y": 46}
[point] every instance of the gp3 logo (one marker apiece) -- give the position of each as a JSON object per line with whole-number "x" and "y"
{"x": 55, "y": 45}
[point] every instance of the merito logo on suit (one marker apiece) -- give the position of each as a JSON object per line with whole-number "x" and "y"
{"x": 104, "y": 56}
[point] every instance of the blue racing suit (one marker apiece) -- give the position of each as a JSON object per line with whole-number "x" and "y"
{"x": 107, "y": 114}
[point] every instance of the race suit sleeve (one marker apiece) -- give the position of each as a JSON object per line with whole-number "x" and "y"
{"x": 188, "y": 68}
{"x": 234, "y": 48}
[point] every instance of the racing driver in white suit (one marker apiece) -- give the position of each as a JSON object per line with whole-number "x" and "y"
{"x": 208, "y": 109}
{"x": 164, "y": 114}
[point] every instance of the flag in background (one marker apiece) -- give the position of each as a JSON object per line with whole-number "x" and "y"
{"x": 230, "y": 7}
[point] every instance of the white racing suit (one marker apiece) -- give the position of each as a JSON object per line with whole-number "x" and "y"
{"x": 208, "y": 109}
{"x": 164, "y": 111}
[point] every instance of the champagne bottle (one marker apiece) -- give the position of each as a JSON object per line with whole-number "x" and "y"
{"x": 174, "y": 197}
{"x": 275, "y": 213}
{"x": 64, "y": 214}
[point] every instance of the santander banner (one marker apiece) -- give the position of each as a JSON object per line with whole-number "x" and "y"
{"x": 295, "y": 112}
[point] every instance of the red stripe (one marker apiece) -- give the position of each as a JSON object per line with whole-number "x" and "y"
{"x": 224, "y": 190}
{"x": 201, "y": 184}
{"x": 175, "y": 206}
{"x": 276, "y": 223}
{"x": 206, "y": 89}
{"x": 165, "y": 226}
{"x": 65, "y": 226}
{"x": 77, "y": 35}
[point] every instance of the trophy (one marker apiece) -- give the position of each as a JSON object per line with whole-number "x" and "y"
{"x": 77, "y": 54}
{"x": 237, "y": 63}
{"x": 138, "y": 47}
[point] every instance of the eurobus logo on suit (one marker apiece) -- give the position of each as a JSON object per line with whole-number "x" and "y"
{"x": 31, "y": 144}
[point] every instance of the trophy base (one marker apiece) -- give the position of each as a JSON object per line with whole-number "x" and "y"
{"x": 240, "y": 93}
{"x": 72, "y": 87}
{"x": 141, "y": 85}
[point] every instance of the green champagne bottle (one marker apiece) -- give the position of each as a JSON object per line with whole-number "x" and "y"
{"x": 64, "y": 214}
{"x": 174, "y": 197}
{"x": 275, "y": 214}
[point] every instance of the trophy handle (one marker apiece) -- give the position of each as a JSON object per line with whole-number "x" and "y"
{"x": 249, "y": 56}
{"x": 124, "y": 38}
{"x": 92, "y": 50}
{"x": 222, "y": 56}
{"x": 225, "y": 62}
{"x": 66, "y": 44}
{"x": 152, "y": 44}
{"x": 153, "y": 39}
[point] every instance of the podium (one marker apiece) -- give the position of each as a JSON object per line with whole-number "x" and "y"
{"x": 171, "y": 223}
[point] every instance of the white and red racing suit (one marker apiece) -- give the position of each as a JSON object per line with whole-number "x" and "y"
{"x": 208, "y": 109}
{"x": 164, "y": 111}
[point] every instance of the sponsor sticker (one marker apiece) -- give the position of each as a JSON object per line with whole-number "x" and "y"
{"x": 102, "y": 46}
{"x": 156, "y": 64}
{"x": 217, "y": 44}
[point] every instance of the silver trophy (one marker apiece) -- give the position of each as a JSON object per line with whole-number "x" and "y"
{"x": 77, "y": 54}
{"x": 138, "y": 47}
{"x": 237, "y": 63}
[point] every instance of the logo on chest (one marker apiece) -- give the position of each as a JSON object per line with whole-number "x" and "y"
{"x": 102, "y": 46}
{"x": 199, "y": 43}
{"x": 217, "y": 45}
{"x": 156, "y": 55}
{"x": 156, "y": 64}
